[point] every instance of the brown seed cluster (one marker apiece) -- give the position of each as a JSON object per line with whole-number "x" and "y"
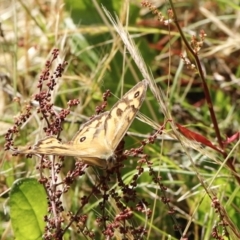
{"x": 124, "y": 196}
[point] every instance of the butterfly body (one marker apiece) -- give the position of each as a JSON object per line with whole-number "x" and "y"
{"x": 97, "y": 139}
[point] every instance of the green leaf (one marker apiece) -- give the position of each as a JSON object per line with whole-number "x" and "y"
{"x": 8, "y": 168}
{"x": 28, "y": 205}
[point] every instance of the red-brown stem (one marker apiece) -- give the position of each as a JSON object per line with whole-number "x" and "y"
{"x": 205, "y": 87}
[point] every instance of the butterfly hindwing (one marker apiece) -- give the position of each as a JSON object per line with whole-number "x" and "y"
{"x": 90, "y": 139}
{"x": 84, "y": 145}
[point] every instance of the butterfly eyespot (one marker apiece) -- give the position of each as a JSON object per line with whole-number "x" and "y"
{"x": 82, "y": 139}
{"x": 136, "y": 94}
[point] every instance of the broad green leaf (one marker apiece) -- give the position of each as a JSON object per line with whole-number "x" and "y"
{"x": 28, "y": 205}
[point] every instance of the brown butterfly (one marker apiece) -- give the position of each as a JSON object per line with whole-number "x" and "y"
{"x": 96, "y": 141}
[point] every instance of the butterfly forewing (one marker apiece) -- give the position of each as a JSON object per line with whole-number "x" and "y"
{"x": 123, "y": 113}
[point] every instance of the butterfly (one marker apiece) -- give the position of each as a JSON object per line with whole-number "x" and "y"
{"x": 97, "y": 139}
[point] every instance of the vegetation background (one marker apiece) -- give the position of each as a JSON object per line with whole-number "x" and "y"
{"x": 197, "y": 181}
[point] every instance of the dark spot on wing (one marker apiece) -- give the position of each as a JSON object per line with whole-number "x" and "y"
{"x": 119, "y": 112}
{"x": 134, "y": 109}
